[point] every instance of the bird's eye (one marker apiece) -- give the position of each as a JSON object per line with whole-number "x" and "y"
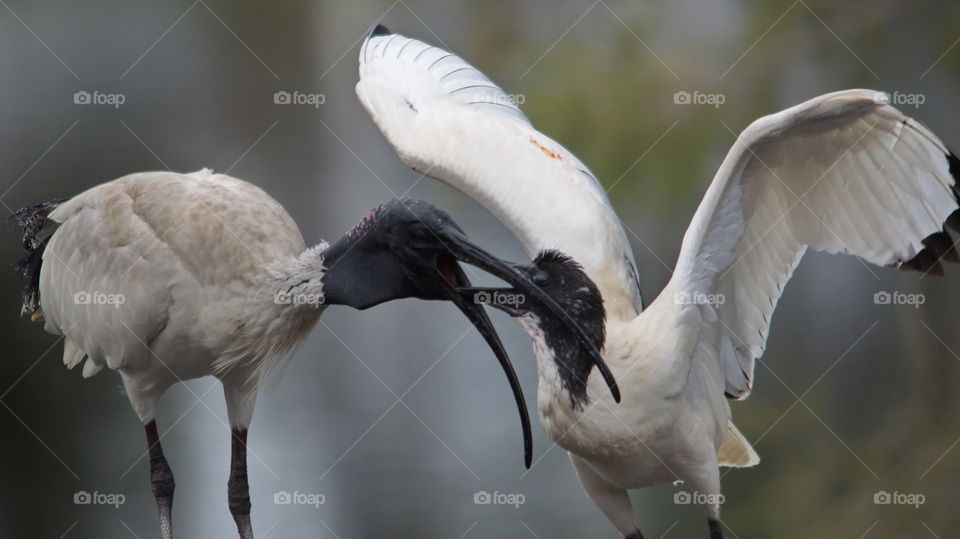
{"x": 540, "y": 279}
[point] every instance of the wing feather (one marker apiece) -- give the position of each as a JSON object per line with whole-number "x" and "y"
{"x": 448, "y": 120}
{"x": 841, "y": 173}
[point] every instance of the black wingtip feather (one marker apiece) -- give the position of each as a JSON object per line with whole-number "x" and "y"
{"x": 953, "y": 220}
{"x": 940, "y": 246}
{"x": 926, "y": 261}
{"x": 378, "y": 30}
{"x": 954, "y": 164}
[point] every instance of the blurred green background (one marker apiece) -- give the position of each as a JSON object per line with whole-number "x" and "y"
{"x": 851, "y": 398}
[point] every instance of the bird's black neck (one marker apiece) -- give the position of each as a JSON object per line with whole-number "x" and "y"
{"x": 574, "y": 368}
{"x": 573, "y": 364}
{"x": 358, "y": 274}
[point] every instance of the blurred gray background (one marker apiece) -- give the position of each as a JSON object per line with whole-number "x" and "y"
{"x": 852, "y": 398}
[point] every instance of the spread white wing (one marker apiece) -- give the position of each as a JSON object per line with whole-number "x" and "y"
{"x": 449, "y": 121}
{"x": 842, "y": 173}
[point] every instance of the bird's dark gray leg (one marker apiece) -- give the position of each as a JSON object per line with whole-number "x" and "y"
{"x": 238, "y": 490}
{"x": 716, "y": 529}
{"x": 635, "y": 535}
{"x": 161, "y": 480}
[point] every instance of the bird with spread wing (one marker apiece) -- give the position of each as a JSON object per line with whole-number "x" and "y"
{"x": 844, "y": 172}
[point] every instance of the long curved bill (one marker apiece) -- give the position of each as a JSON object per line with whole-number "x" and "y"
{"x": 465, "y": 251}
{"x": 478, "y": 316}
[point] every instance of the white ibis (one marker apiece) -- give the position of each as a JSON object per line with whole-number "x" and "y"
{"x": 844, "y": 172}
{"x": 165, "y": 277}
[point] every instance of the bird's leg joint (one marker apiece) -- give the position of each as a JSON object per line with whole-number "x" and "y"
{"x": 161, "y": 477}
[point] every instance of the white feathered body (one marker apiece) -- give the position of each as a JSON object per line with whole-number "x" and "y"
{"x": 668, "y": 416}
{"x": 166, "y": 277}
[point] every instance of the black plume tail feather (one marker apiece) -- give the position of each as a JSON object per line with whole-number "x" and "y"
{"x": 32, "y": 221}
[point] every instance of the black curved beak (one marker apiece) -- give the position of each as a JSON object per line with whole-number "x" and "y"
{"x": 465, "y": 251}
{"x": 453, "y": 280}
